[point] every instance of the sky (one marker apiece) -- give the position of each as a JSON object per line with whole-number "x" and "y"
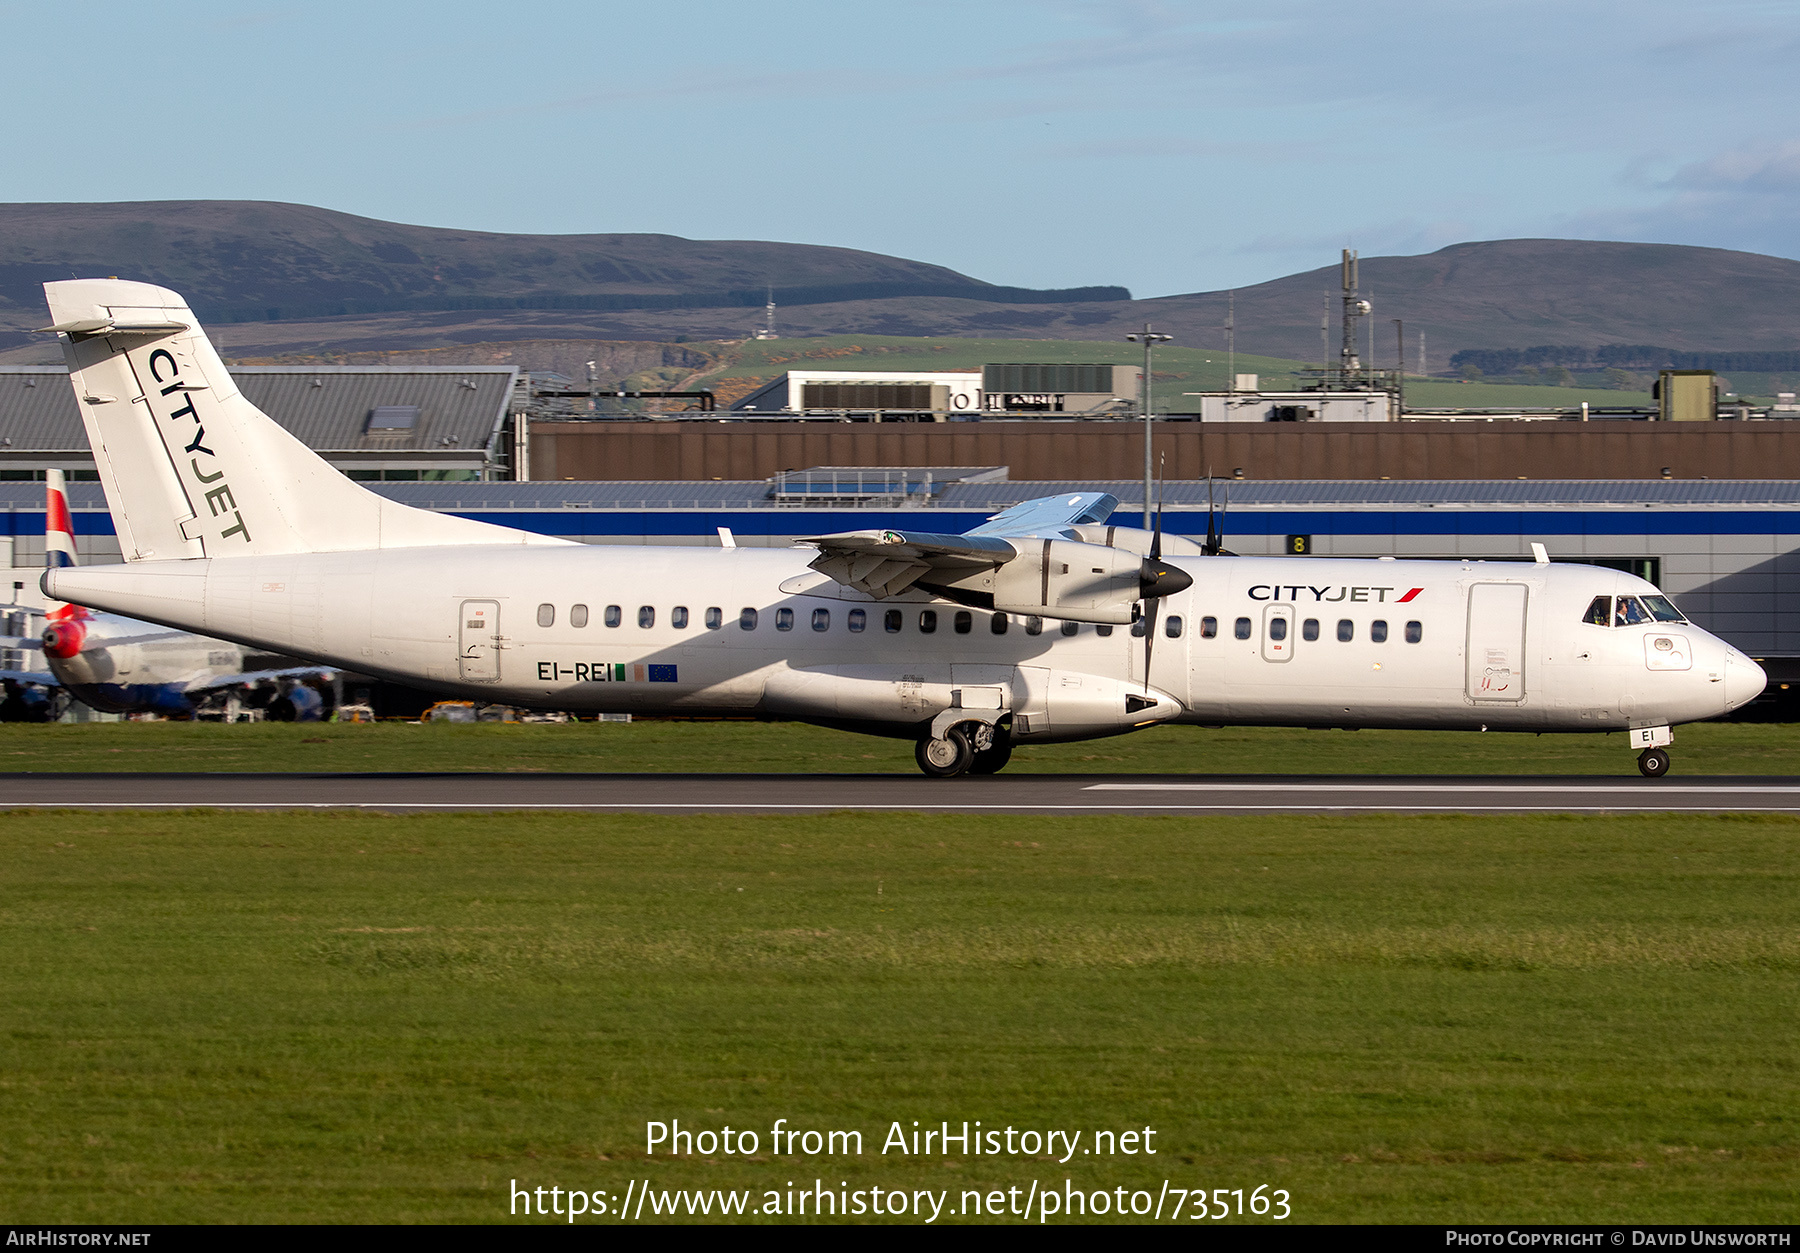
{"x": 1168, "y": 147}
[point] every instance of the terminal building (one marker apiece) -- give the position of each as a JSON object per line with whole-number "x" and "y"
{"x": 1072, "y": 389}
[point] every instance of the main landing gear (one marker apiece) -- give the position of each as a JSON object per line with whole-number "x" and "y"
{"x": 966, "y": 748}
{"x": 1654, "y": 762}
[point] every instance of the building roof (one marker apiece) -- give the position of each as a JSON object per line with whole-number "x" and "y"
{"x": 325, "y": 407}
{"x": 994, "y": 496}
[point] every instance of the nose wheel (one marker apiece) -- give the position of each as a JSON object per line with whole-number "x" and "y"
{"x": 1654, "y": 762}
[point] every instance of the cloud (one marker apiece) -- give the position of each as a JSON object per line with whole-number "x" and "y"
{"x": 1772, "y": 169}
{"x": 1742, "y": 198}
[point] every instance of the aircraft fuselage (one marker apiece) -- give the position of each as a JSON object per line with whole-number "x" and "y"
{"x": 1271, "y": 641}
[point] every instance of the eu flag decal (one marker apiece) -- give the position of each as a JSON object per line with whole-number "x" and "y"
{"x": 662, "y": 674}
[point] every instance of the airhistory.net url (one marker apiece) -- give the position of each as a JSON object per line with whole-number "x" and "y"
{"x": 1037, "y": 1203}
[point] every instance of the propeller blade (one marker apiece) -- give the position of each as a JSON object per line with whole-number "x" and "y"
{"x": 1156, "y": 535}
{"x": 1212, "y": 519}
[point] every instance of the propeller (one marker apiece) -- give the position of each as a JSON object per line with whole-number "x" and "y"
{"x": 1215, "y": 530}
{"x": 1161, "y": 581}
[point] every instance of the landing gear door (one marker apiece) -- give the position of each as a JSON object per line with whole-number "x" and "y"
{"x": 1031, "y": 701}
{"x": 478, "y": 638}
{"x": 1278, "y": 632}
{"x": 1496, "y": 653}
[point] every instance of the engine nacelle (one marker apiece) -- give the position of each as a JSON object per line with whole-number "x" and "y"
{"x": 1082, "y": 582}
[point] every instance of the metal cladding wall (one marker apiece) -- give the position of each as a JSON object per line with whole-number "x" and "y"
{"x": 1100, "y": 450}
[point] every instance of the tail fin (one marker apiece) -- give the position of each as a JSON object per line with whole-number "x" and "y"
{"x": 59, "y": 540}
{"x": 193, "y": 469}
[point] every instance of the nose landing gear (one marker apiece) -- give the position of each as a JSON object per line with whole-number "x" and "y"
{"x": 1654, "y": 762}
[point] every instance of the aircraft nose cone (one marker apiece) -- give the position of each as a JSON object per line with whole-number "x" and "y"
{"x": 1744, "y": 681}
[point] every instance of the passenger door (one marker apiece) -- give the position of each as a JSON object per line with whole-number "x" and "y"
{"x": 478, "y": 635}
{"x": 1496, "y": 643}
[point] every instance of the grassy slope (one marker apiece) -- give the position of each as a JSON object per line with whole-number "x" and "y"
{"x": 1705, "y": 748}
{"x": 1179, "y": 369}
{"x": 266, "y": 1017}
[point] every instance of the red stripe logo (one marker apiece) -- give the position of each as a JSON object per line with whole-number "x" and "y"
{"x": 1409, "y": 596}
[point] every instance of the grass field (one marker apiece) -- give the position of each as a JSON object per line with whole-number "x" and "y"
{"x": 260, "y": 1017}
{"x": 1704, "y": 748}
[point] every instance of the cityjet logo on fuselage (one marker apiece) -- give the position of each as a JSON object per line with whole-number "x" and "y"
{"x": 218, "y": 498}
{"x": 1355, "y": 595}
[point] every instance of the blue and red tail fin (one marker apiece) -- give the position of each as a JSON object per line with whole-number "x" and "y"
{"x": 59, "y": 539}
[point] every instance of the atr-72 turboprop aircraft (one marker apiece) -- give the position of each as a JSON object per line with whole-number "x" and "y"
{"x": 967, "y": 644}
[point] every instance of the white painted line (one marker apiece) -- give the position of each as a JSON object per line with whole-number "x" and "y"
{"x": 1579, "y": 789}
{"x": 1021, "y": 808}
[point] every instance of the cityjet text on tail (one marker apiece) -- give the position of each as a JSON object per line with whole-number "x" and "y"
{"x": 1042, "y": 624}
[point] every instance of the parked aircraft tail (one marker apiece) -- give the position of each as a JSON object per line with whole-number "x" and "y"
{"x": 59, "y": 539}
{"x": 193, "y": 469}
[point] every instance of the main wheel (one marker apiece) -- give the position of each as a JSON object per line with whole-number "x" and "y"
{"x": 1654, "y": 762}
{"x": 941, "y": 759}
{"x": 994, "y": 759}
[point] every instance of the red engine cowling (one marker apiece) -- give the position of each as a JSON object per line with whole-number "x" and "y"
{"x": 63, "y": 640}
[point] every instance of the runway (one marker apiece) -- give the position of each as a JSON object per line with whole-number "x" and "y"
{"x": 1007, "y": 793}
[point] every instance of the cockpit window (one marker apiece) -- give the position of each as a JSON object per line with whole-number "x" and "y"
{"x": 1599, "y": 613}
{"x": 1663, "y": 609}
{"x": 1629, "y": 611}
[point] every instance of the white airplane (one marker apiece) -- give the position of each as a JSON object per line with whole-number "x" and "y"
{"x": 118, "y": 664}
{"x": 967, "y": 644}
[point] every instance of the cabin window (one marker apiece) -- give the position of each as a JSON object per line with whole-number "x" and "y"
{"x": 678, "y": 617}
{"x": 784, "y": 619}
{"x": 927, "y": 621}
{"x": 1241, "y": 628}
{"x": 1209, "y": 628}
{"x": 747, "y": 618}
{"x": 1139, "y": 627}
{"x": 715, "y": 618}
{"x": 1278, "y": 628}
{"x": 546, "y": 615}
{"x": 997, "y": 624}
{"x": 890, "y": 621}
{"x": 1599, "y": 613}
{"x": 821, "y": 620}
{"x": 1415, "y": 631}
{"x": 1103, "y": 629}
{"x": 1172, "y": 628}
{"x": 613, "y": 616}
{"x": 1034, "y": 625}
{"x": 1378, "y": 631}
{"x": 1346, "y": 630}
{"x": 646, "y": 616}
{"x": 857, "y": 619}
{"x": 964, "y": 621}
{"x": 1627, "y": 611}
{"x": 1309, "y": 630}
{"x": 1069, "y": 628}
{"x": 1663, "y": 609}
{"x": 577, "y": 615}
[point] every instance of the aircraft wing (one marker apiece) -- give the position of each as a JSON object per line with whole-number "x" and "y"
{"x": 21, "y": 641}
{"x": 43, "y": 677}
{"x": 208, "y": 682}
{"x": 886, "y": 563}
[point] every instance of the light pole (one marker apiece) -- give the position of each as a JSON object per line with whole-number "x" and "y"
{"x": 1149, "y": 339}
